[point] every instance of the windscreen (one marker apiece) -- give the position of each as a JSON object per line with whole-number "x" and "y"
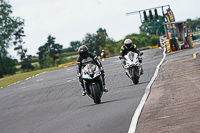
{"x": 90, "y": 67}
{"x": 131, "y": 55}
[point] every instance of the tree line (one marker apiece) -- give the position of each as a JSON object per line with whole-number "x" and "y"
{"x": 193, "y": 24}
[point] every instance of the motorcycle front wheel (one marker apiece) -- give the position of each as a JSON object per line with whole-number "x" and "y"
{"x": 135, "y": 78}
{"x": 95, "y": 93}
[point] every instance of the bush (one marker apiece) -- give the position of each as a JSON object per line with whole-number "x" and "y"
{"x": 47, "y": 61}
{"x": 7, "y": 66}
{"x": 154, "y": 40}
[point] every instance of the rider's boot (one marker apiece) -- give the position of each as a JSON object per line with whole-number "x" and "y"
{"x": 84, "y": 91}
{"x": 104, "y": 85}
{"x": 104, "y": 88}
{"x": 124, "y": 66}
{"x": 142, "y": 71}
{"x": 126, "y": 74}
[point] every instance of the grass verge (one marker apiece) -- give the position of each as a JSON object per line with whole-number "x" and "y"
{"x": 11, "y": 79}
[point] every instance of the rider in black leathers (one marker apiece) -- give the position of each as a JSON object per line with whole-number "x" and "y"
{"x": 82, "y": 60}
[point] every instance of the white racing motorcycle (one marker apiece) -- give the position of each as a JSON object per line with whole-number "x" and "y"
{"x": 133, "y": 66}
{"x": 93, "y": 82}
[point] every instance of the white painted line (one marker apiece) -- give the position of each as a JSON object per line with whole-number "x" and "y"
{"x": 144, "y": 98}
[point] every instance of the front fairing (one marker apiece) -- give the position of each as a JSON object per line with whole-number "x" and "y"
{"x": 91, "y": 75}
{"x": 132, "y": 60}
{"x": 90, "y": 71}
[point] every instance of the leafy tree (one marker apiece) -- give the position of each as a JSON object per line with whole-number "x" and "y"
{"x": 96, "y": 42}
{"x": 51, "y": 49}
{"x": 153, "y": 27}
{"x": 26, "y": 59}
{"x": 192, "y": 24}
{"x": 110, "y": 47}
{"x": 154, "y": 40}
{"x": 8, "y": 26}
{"x": 69, "y": 49}
{"x": 61, "y": 59}
{"x": 74, "y": 45}
{"x": 8, "y": 66}
{"x": 102, "y": 32}
{"x": 47, "y": 61}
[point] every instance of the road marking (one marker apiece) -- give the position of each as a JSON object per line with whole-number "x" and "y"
{"x": 117, "y": 61}
{"x": 194, "y": 55}
{"x": 39, "y": 80}
{"x": 69, "y": 80}
{"x": 144, "y": 98}
{"x": 74, "y": 79}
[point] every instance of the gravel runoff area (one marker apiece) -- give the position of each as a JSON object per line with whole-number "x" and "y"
{"x": 173, "y": 105}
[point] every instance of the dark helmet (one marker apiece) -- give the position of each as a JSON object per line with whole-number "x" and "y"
{"x": 83, "y": 51}
{"x": 128, "y": 43}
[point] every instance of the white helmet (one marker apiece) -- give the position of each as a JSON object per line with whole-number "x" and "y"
{"x": 128, "y": 43}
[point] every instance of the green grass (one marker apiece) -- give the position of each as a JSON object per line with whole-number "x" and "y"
{"x": 10, "y": 79}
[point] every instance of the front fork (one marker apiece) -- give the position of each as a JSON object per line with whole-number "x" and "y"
{"x": 86, "y": 85}
{"x": 129, "y": 71}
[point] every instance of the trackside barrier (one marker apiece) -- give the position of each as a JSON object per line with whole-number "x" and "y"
{"x": 143, "y": 48}
{"x": 67, "y": 64}
{"x": 152, "y": 47}
{"x": 169, "y": 49}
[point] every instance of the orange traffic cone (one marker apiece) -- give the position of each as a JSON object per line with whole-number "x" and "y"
{"x": 173, "y": 48}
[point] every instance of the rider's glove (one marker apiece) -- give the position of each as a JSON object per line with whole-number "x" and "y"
{"x": 140, "y": 53}
{"x": 79, "y": 75}
{"x": 102, "y": 70}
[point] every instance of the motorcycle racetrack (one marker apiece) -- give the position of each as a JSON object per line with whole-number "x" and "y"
{"x": 52, "y": 103}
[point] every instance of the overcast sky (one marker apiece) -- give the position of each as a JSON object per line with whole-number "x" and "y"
{"x": 70, "y": 20}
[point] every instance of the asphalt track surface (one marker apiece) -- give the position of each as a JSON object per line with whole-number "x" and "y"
{"x": 52, "y": 103}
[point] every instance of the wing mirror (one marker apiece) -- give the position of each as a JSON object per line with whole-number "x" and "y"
{"x": 141, "y": 53}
